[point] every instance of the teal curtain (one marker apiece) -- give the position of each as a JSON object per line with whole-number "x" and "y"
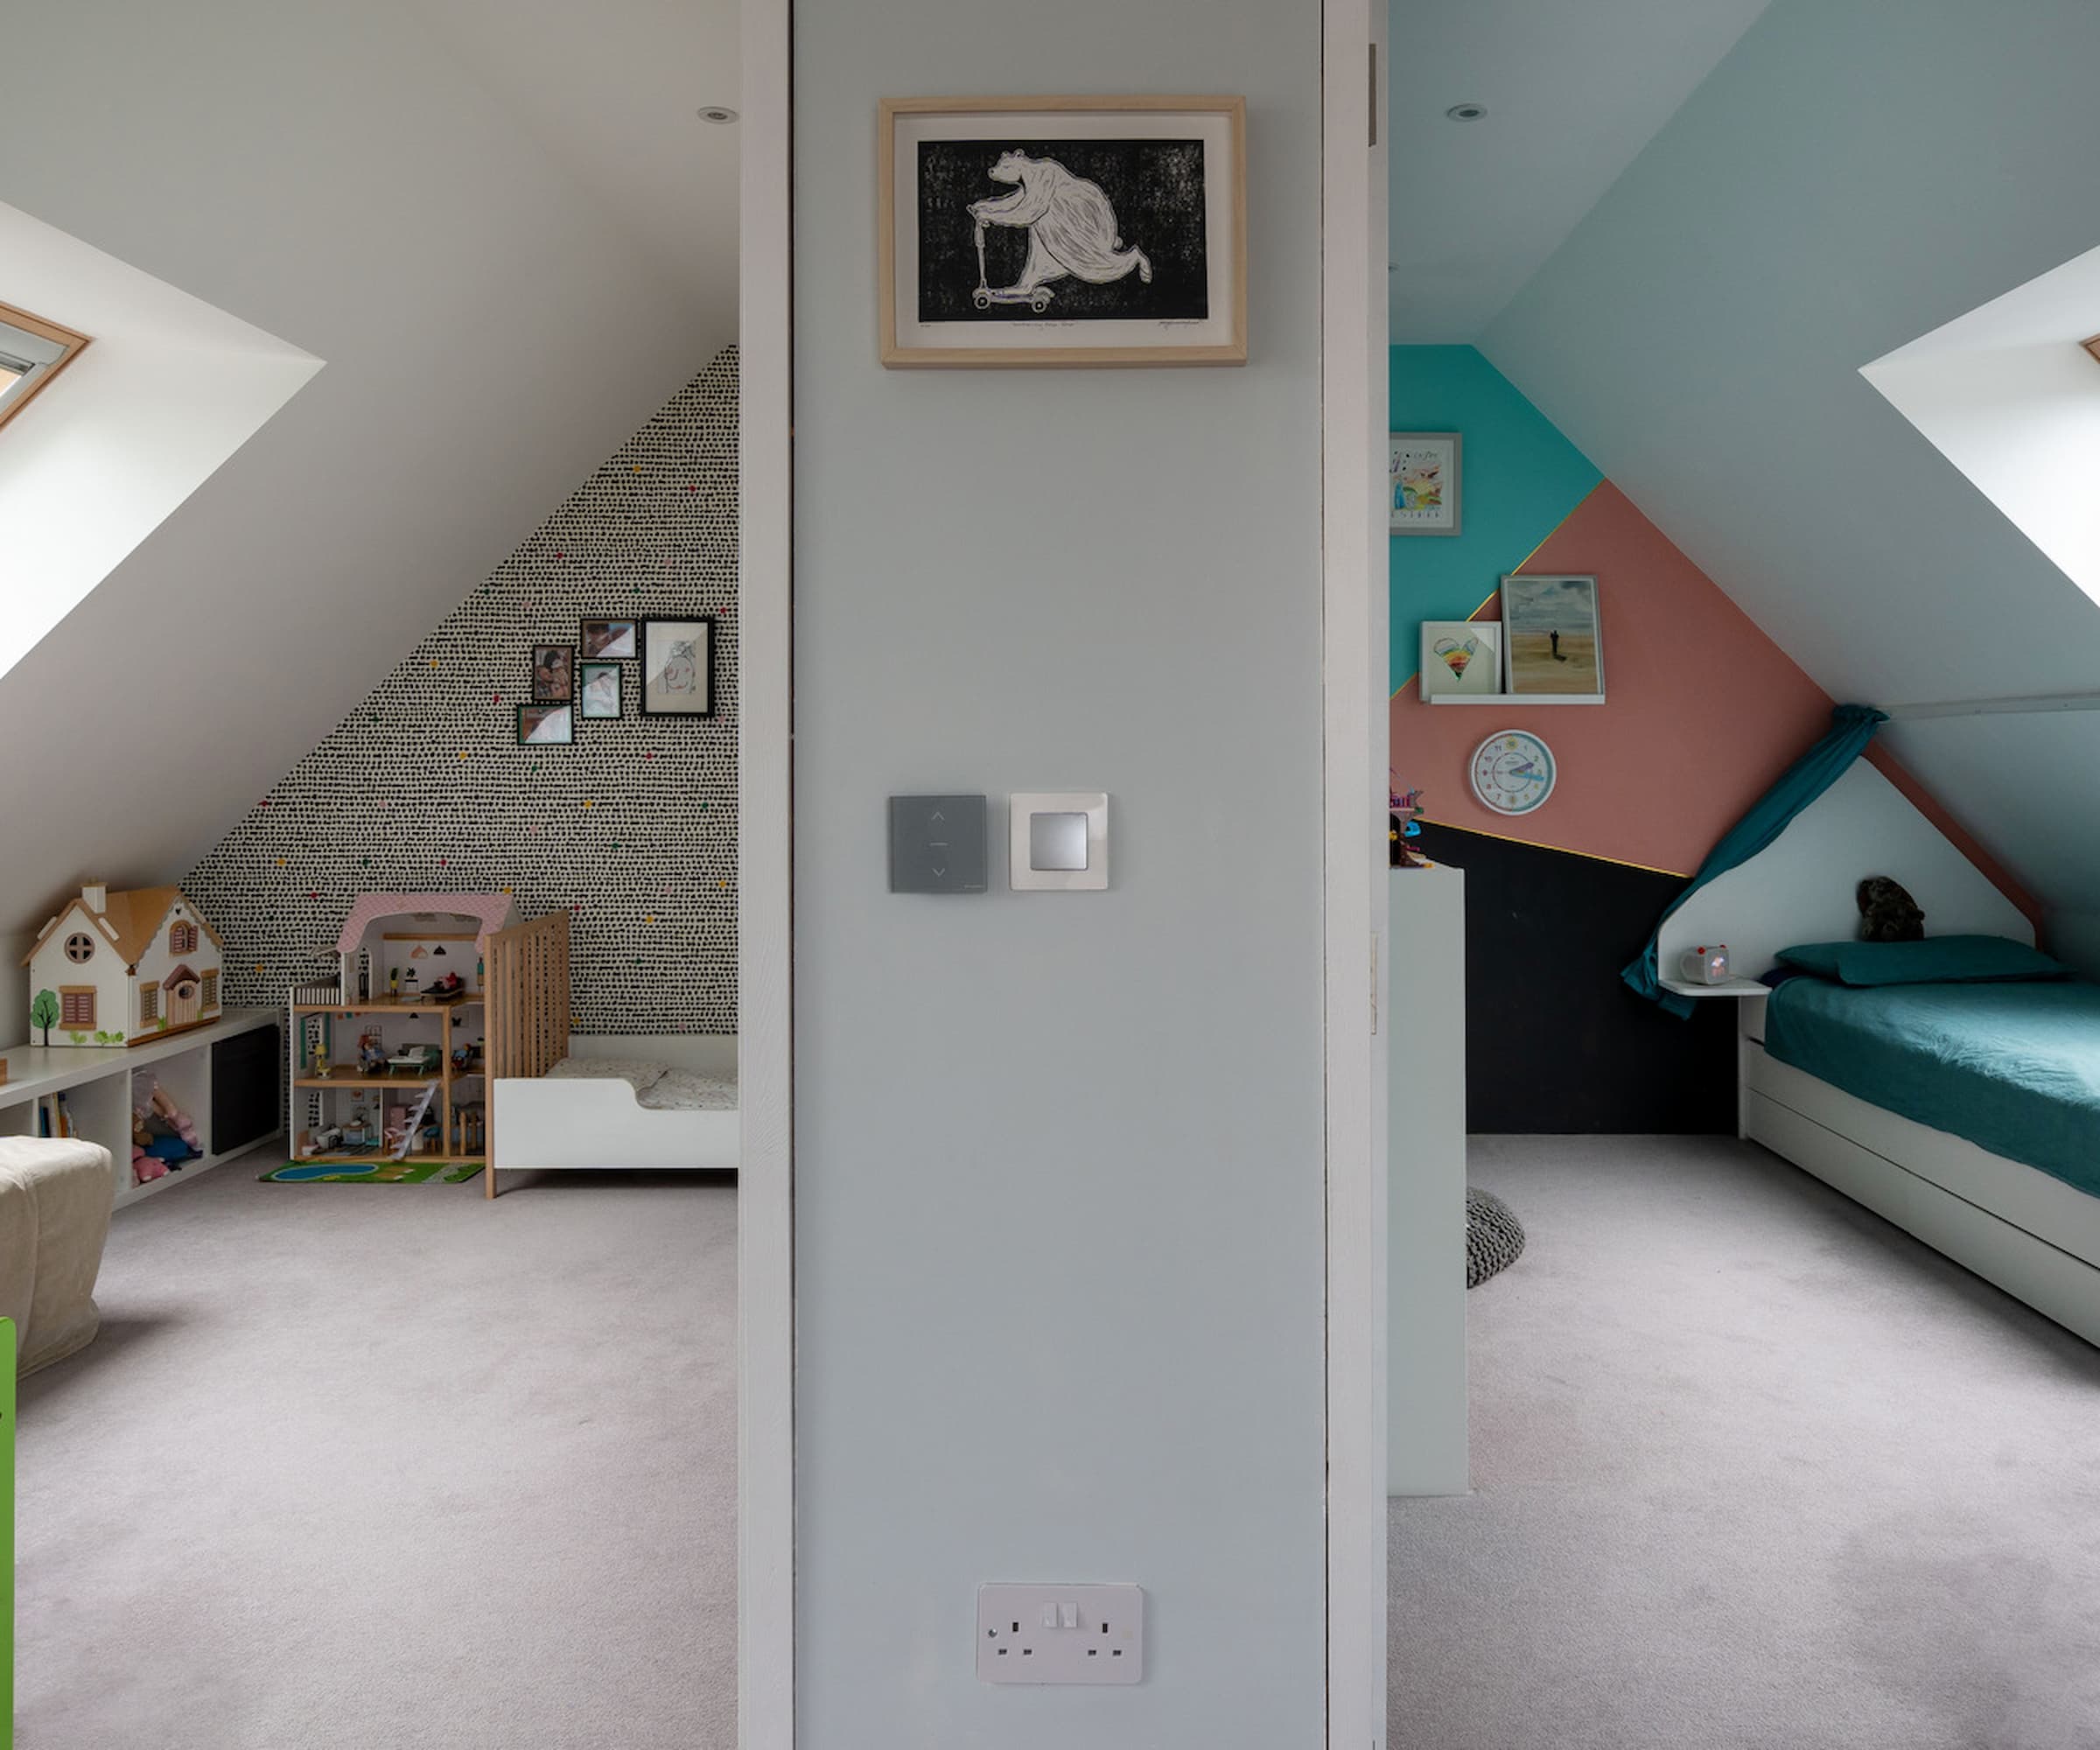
{"x": 1852, "y": 728}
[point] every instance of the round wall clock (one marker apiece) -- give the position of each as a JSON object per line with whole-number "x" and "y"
{"x": 1513, "y": 772}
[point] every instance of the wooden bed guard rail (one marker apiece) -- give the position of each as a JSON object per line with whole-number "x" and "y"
{"x": 527, "y": 989}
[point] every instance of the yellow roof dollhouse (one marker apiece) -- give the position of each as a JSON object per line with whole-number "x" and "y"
{"x": 122, "y": 968}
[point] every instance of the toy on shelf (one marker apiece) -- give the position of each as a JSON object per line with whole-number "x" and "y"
{"x": 164, "y": 1136}
{"x": 1405, "y": 804}
{"x": 124, "y": 969}
{"x": 371, "y": 1053}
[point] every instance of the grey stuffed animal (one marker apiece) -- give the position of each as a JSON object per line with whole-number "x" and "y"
{"x": 1888, "y": 913}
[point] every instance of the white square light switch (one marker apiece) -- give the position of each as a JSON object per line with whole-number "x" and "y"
{"x": 1058, "y": 840}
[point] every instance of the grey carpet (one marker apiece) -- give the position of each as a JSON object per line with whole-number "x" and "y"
{"x": 1752, "y": 1468}
{"x": 390, "y": 1466}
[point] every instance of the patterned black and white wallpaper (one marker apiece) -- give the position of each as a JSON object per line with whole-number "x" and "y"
{"x": 423, "y": 788}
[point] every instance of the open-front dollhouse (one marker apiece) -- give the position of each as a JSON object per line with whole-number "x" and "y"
{"x": 390, "y": 1062}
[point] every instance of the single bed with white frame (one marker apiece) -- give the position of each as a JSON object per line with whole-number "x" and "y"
{"x": 2030, "y": 1233}
{"x": 558, "y": 1100}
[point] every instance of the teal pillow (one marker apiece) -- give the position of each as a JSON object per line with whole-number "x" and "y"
{"x": 1936, "y": 959}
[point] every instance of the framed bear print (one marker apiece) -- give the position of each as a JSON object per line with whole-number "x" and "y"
{"x": 1062, "y": 231}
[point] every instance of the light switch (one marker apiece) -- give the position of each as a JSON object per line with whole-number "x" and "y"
{"x": 938, "y": 844}
{"x": 1057, "y": 840}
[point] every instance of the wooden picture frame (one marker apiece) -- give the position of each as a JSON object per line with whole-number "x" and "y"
{"x": 678, "y": 681}
{"x": 1148, "y": 278}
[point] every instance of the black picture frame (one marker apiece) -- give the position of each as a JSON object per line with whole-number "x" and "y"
{"x": 585, "y": 673}
{"x": 549, "y": 709}
{"x": 660, "y": 636}
{"x": 549, "y": 687}
{"x": 590, "y": 649}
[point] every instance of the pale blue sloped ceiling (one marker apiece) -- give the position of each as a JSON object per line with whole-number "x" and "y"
{"x": 1851, "y": 177}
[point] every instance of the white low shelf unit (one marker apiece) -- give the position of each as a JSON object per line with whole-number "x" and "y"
{"x": 96, "y": 1081}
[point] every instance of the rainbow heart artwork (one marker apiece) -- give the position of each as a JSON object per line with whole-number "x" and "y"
{"x": 1457, "y": 655}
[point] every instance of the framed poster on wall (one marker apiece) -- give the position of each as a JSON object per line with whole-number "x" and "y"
{"x": 1062, "y": 231}
{"x": 1422, "y": 482}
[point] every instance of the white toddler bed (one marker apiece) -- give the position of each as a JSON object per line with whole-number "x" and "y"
{"x": 594, "y": 1104}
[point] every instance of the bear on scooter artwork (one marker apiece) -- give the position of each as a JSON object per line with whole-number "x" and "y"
{"x": 1073, "y": 230}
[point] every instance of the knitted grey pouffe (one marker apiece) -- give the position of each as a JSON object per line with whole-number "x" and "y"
{"x": 1494, "y": 1238}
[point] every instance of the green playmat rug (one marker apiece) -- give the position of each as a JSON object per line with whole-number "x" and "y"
{"x": 381, "y": 1172}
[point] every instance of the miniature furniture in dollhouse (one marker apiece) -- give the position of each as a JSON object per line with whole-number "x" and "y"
{"x": 388, "y": 1062}
{"x": 123, "y": 968}
{"x": 55, "y": 1198}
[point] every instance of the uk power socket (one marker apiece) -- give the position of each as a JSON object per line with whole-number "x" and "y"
{"x": 1061, "y": 1633}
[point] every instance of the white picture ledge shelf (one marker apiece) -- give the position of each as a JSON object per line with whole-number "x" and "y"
{"x": 1517, "y": 699}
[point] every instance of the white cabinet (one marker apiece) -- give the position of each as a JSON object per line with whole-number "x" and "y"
{"x": 1425, "y": 1281}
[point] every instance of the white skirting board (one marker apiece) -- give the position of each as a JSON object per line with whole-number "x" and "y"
{"x": 2027, "y": 1232}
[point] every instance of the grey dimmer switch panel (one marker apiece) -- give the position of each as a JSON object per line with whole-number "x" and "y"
{"x": 937, "y": 845}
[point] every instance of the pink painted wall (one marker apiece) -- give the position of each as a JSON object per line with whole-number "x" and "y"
{"x": 1703, "y": 712}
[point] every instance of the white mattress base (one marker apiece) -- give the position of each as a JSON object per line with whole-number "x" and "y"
{"x": 591, "y": 1122}
{"x": 2028, "y": 1232}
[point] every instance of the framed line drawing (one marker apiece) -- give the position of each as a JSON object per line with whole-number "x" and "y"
{"x": 1422, "y": 482}
{"x": 678, "y": 666}
{"x": 1034, "y": 231}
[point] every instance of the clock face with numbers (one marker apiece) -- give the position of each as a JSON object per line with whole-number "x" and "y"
{"x": 1513, "y": 772}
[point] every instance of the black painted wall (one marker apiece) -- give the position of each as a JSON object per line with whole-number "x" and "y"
{"x": 1554, "y": 1043}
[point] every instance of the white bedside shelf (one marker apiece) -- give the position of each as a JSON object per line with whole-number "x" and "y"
{"x": 1732, "y": 987}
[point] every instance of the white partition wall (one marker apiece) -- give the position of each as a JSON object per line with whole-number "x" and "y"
{"x": 1425, "y": 1450}
{"x": 1060, "y": 1194}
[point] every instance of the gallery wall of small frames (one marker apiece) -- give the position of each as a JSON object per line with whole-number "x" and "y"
{"x": 566, "y": 735}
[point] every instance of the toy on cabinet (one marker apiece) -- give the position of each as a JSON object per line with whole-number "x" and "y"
{"x": 124, "y": 968}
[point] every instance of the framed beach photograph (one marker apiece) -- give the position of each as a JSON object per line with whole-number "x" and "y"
{"x": 678, "y": 666}
{"x": 546, "y": 725}
{"x": 553, "y": 674}
{"x": 607, "y": 640}
{"x": 599, "y": 693}
{"x": 1461, "y": 658}
{"x": 1422, "y": 482}
{"x": 1554, "y": 642}
{"x": 1062, "y": 231}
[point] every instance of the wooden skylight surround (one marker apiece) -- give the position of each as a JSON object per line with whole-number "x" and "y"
{"x": 2092, "y": 346}
{"x": 32, "y": 352}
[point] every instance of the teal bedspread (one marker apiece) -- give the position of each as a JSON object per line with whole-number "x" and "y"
{"x": 2015, "y": 1068}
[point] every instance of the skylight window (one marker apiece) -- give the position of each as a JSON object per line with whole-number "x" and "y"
{"x": 32, "y": 352}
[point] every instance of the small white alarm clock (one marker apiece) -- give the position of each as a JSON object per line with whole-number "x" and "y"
{"x": 1513, "y": 772}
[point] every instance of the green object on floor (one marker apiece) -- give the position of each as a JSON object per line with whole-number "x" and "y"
{"x": 383, "y": 1171}
{"x": 7, "y": 1531}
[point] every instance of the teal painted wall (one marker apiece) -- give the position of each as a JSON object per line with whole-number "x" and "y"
{"x": 1519, "y": 477}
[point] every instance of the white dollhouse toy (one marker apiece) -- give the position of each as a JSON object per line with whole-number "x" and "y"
{"x": 123, "y": 968}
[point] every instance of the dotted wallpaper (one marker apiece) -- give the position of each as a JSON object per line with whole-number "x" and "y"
{"x": 424, "y": 789}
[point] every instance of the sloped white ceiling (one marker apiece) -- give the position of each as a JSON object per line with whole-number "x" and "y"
{"x": 1851, "y": 177}
{"x": 1573, "y": 92}
{"x": 490, "y": 331}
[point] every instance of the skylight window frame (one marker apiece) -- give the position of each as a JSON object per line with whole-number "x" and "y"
{"x": 2092, "y": 346}
{"x": 44, "y": 347}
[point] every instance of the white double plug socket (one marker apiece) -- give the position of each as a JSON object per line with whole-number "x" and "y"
{"x": 1061, "y": 1633}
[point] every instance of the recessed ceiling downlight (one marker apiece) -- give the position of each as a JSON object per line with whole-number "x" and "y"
{"x": 716, "y": 113}
{"x": 1466, "y": 112}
